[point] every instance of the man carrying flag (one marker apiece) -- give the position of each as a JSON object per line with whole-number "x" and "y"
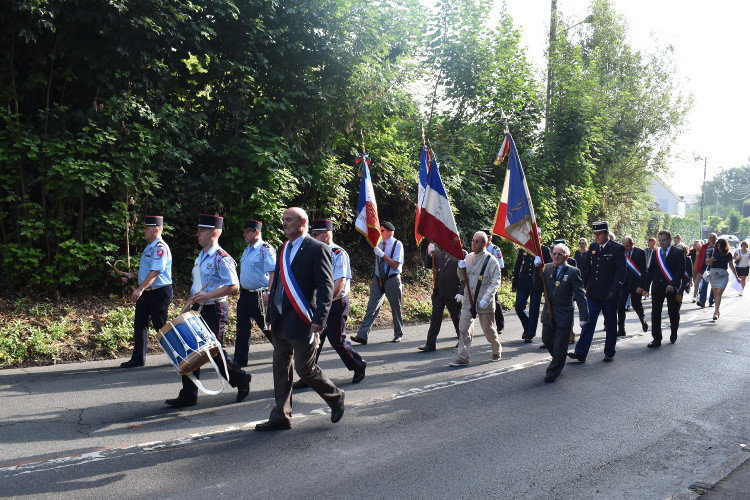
{"x": 389, "y": 259}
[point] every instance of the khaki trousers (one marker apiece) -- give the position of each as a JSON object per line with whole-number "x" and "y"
{"x": 466, "y": 327}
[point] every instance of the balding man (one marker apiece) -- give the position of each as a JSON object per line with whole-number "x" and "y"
{"x": 481, "y": 275}
{"x": 635, "y": 269}
{"x": 300, "y": 301}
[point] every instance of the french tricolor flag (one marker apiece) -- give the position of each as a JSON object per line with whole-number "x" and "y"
{"x": 436, "y": 216}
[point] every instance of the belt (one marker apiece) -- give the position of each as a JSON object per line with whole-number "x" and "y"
{"x": 214, "y": 302}
{"x": 388, "y": 277}
{"x": 152, "y": 288}
{"x": 256, "y": 290}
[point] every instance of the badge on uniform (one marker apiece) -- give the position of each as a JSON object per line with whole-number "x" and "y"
{"x": 565, "y": 278}
{"x": 557, "y": 283}
{"x": 209, "y": 266}
{"x": 593, "y": 252}
{"x": 160, "y": 252}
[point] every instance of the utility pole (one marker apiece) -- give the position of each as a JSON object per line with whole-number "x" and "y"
{"x": 703, "y": 196}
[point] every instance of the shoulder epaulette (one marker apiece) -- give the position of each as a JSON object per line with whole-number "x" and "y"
{"x": 336, "y": 250}
{"x": 265, "y": 244}
{"x": 221, "y": 252}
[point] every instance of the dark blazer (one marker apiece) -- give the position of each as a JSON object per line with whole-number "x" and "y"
{"x": 447, "y": 281}
{"x": 524, "y": 269}
{"x": 603, "y": 271}
{"x": 569, "y": 287}
{"x": 654, "y": 278}
{"x": 313, "y": 272}
{"x": 633, "y": 281}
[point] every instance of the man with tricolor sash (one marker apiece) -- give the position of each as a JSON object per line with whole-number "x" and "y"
{"x": 635, "y": 269}
{"x": 300, "y": 301}
{"x": 664, "y": 276}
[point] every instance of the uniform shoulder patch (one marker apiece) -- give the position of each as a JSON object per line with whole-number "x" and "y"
{"x": 222, "y": 252}
{"x": 337, "y": 250}
{"x": 265, "y": 244}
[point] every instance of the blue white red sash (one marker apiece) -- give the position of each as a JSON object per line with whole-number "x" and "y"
{"x": 292, "y": 290}
{"x": 632, "y": 265}
{"x": 663, "y": 266}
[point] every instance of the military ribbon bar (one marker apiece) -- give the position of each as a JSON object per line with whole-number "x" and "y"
{"x": 663, "y": 266}
{"x": 292, "y": 290}
{"x": 632, "y": 265}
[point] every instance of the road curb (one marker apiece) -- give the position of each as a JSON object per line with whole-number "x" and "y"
{"x": 709, "y": 482}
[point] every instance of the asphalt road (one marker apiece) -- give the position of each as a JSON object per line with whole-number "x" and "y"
{"x": 652, "y": 424}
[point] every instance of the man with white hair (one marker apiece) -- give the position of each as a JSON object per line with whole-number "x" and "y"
{"x": 480, "y": 272}
{"x": 564, "y": 284}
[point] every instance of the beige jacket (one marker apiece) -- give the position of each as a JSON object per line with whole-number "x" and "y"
{"x": 490, "y": 280}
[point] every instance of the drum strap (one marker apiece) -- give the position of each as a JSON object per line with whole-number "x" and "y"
{"x": 223, "y": 381}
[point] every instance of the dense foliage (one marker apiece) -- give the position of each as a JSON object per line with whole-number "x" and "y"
{"x": 112, "y": 110}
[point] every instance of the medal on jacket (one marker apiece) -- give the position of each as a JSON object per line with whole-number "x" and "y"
{"x": 557, "y": 283}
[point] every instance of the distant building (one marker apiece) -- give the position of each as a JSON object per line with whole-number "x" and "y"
{"x": 667, "y": 200}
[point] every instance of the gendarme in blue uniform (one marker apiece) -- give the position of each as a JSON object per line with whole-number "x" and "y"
{"x": 217, "y": 268}
{"x": 156, "y": 257}
{"x": 257, "y": 261}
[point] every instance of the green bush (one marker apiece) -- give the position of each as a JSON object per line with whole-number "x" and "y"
{"x": 116, "y": 330}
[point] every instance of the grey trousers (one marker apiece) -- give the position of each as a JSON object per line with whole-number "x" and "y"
{"x": 393, "y": 293}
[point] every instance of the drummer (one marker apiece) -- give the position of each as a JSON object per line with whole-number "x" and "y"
{"x": 154, "y": 292}
{"x": 217, "y": 270}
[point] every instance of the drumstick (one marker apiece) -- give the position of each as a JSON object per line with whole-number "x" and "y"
{"x": 190, "y": 301}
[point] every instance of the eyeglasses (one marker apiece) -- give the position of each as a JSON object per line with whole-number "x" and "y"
{"x": 663, "y": 240}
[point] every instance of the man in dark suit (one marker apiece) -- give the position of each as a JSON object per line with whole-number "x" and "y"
{"x": 664, "y": 276}
{"x": 563, "y": 283}
{"x": 635, "y": 268}
{"x": 446, "y": 293}
{"x": 301, "y": 296}
{"x": 603, "y": 272}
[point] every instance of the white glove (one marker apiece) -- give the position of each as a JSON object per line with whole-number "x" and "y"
{"x": 483, "y": 303}
{"x": 430, "y": 249}
{"x": 378, "y": 251}
{"x": 582, "y": 323}
{"x": 459, "y": 297}
{"x": 537, "y": 261}
{"x": 462, "y": 264}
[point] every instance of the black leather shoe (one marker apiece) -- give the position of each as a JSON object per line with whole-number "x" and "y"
{"x": 542, "y": 346}
{"x": 644, "y": 325}
{"x": 527, "y": 341}
{"x": 398, "y": 339}
{"x": 300, "y": 384}
{"x": 577, "y": 357}
{"x": 358, "y": 377}
{"x": 609, "y": 359}
{"x": 131, "y": 364}
{"x": 673, "y": 338}
{"x": 621, "y": 333}
{"x": 549, "y": 378}
{"x": 358, "y": 339}
{"x": 180, "y": 402}
{"x": 701, "y": 304}
{"x": 274, "y": 426}
{"x": 655, "y": 343}
{"x": 425, "y": 348}
{"x": 338, "y": 412}
{"x": 243, "y": 389}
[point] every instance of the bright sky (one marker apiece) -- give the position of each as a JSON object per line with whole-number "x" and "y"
{"x": 712, "y": 54}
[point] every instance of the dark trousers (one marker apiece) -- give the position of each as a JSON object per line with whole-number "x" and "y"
{"x": 556, "y": 341}
{"x": 528, "y": 322}
{"x": 636, "y": 301}
{"x": 499, "y": 318}
{"x": 297, "y": 354}
{"x": 216, "y": 317}
{"x": 249, "y": 310}
{"x": 704, "y": 289}
{"x": 335, "y": 332}
{"x": 153, "y": 306}
{"x": 609, "y": 310}
{"x": 673, "y": 308}
{"x": 439, "y": 303}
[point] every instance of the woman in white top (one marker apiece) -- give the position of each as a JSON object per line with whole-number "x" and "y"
{"x": 742, "y": 263}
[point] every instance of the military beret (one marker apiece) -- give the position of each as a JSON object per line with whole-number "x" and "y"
{"x": 388, "y": 226}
